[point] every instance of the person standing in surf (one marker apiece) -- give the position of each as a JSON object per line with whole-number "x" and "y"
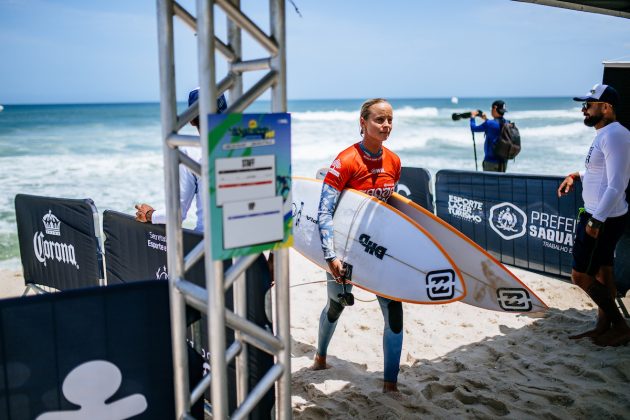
{"x": 602, "y": 220}
{"x": 492, "y": 131}
{"x": 371, "y": 168}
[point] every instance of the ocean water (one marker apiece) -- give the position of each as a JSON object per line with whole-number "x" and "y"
{"x": 112, "y": 153}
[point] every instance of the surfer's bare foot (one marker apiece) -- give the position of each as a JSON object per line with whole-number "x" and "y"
{"x": 618, "y": 335}
{"x": 601, "y": 327}
{"x": 594, "y": 333}
{"x": 319, "y": 363}
{"x": 390, "y": 387}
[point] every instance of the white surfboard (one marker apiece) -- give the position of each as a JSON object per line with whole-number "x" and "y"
{"x": 489, "y": 284}
{"x": 389, "y": 254}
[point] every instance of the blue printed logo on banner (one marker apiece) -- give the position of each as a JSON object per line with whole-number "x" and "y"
{"x": 508, "y": 221}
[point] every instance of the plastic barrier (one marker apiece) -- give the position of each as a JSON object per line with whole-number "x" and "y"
{"x": 622, "y": 261}
{"x": 59, "y": 243}
{"x": 136, "y": 251}
{"x": 101, "y": 352}
{"x": 415, "y": 184}
{"x": 519, "y": 219}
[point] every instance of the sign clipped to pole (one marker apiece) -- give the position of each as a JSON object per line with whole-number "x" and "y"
{"x": 250, "y": 183}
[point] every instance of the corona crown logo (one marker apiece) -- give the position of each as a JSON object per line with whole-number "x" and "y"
{"x": 52, "y": 225}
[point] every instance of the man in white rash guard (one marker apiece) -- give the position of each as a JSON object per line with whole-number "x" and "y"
{"x": 189, "y": 182}
{"x": 603, "y": 218}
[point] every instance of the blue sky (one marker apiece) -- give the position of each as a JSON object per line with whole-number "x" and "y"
{"x": 77, "y": 51}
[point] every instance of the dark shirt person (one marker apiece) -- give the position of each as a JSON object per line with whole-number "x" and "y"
{"x": 603, "y": 220}
{"x": 492, "y": 130}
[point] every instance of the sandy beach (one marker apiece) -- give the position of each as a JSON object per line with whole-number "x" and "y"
{"x": 457, "y": 360}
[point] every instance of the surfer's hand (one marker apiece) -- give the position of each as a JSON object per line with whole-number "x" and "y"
{"x": 337, "y": 270}
{"x": 144, "y": 213}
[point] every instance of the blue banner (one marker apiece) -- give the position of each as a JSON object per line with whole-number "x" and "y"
{"x": 519, "y": 219}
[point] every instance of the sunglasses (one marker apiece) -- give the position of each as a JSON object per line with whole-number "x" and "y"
{"x": 586, "y": 105}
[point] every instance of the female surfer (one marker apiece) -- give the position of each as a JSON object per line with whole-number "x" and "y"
{"x": 369, "y": 167}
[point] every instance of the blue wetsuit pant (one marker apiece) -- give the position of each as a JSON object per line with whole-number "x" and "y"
{"x": 392, "y": 333}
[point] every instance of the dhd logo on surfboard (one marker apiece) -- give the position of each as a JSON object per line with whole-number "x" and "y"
{"x": 372, "y": 247}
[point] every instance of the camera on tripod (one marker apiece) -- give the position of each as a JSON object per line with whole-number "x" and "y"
{"x": 465, "y": 115}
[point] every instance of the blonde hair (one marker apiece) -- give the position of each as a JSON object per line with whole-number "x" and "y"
{"x": 365, "y": 108}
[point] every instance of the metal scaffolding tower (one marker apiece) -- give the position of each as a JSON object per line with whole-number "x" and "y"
{"x": 211, "y": 300}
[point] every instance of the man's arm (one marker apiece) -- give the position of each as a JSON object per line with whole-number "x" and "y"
{"x": 617, "y": 156}
{"x": 568, "y": 184}
{"x": 473, "y": 124}
{"x": 188, "y": 187}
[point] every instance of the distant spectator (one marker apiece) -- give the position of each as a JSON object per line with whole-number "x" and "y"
{"x": 492, "y": 130}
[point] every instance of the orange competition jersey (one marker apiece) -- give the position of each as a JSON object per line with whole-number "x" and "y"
{"x": 375, "y": 176}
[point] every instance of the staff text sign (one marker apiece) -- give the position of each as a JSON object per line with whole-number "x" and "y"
{"x": 250, "y": 181}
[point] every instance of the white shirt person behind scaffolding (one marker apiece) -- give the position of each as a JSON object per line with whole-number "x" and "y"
{"x": 189, "y": 182}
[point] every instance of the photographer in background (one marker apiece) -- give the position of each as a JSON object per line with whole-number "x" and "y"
{"x": 492, "y": 130}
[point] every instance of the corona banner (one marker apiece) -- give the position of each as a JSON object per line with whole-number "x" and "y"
{"x": 59, "y": 245}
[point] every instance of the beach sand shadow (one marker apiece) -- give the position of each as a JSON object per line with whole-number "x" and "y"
{"x": 529, "y": 372}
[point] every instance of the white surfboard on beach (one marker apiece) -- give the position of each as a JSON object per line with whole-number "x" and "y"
{"x": 489, "y": 284}
{"x": 389, "y": 254}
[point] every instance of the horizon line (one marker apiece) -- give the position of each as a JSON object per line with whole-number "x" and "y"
{"x": 143, "y": 102}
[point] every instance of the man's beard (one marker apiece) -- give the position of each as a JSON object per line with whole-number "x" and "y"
{"x": 592, "y": 120}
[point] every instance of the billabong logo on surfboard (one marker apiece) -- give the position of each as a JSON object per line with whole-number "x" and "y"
{"x": 441, "y": 284}
{"x": 508, "y": 221}
{"x": 514, "y": 299}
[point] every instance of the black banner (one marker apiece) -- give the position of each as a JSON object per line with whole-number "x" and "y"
{"x": 415, "y": 184}
{"x": 87, "y": 353}
{"x": 519, "y": 219}
{"x": 59, "y": 247}
{"x": 137, "y": 251}
{"x": 622, "y": 260}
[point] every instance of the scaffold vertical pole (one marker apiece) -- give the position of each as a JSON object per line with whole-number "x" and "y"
{"x": 174, "y": 241}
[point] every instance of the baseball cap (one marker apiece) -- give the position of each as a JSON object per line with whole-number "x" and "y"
{"x": 600, "y": 93}
{"x": 193, "y": 96}
{"x": 500, "y": 105}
